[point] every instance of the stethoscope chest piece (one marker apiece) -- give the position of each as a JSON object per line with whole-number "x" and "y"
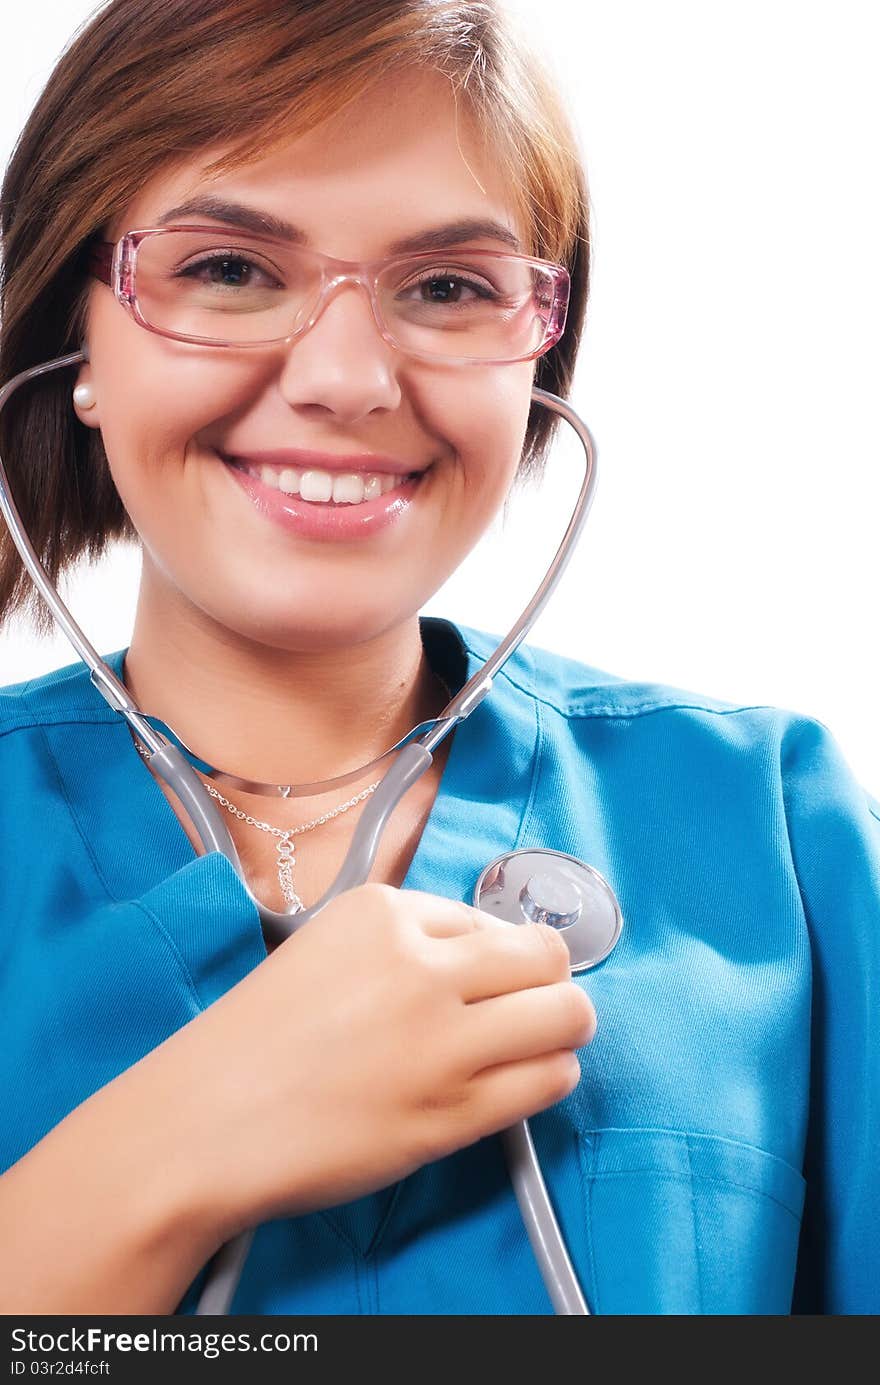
{"x": 537, "y": 885}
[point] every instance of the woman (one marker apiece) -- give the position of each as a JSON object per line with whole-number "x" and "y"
{"x": 168, "y": 1083}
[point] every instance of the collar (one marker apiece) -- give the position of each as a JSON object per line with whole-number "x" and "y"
{"x": 142, "y": 853}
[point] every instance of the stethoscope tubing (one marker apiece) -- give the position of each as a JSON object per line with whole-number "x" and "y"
{"x": 226, "y": 1267}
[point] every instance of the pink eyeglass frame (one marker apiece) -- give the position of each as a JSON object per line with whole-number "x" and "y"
{"x": 115, "y": 264}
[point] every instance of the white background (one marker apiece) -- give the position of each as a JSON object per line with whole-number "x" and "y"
{"x": 729, "y": 368}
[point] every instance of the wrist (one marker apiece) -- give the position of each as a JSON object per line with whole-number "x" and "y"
{"x": 158, "y": 1119}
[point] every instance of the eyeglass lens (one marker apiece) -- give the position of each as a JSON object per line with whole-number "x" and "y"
{"x": 461, "y": 303}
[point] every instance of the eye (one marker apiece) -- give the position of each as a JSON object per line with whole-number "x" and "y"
{"x": 446, "y": 288}
{"x": 228, "y": 270}
{"x": 443, "y": 286}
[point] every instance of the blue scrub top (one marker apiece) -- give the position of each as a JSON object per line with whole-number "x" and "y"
{"x": 719, "y": 1153}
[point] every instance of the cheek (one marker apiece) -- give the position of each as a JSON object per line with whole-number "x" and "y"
{"x": 483, "y": 414}
{"x": 154, "y": 396}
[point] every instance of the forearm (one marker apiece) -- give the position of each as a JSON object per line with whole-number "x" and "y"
{"x": 104, "y": 1214}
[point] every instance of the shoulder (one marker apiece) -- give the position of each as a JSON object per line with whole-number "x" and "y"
{"x": 64, "y": 694}
{"x": 661, "y": 728}
{"x": 576, "y": 690}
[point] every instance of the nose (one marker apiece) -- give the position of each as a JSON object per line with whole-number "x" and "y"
{"x": 342, "y": 364}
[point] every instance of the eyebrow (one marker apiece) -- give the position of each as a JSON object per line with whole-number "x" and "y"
{"x": 263, "y": 223}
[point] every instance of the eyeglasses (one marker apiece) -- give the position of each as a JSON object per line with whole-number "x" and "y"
{"x": 205, "y": 285}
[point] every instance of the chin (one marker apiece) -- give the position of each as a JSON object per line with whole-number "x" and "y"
{"x": 289, "y": 629}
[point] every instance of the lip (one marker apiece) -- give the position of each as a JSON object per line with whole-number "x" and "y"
{"x": 326, "y": 521}
{"x": 302, "y": 459}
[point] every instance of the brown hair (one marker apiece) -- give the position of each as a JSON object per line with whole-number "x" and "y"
{"x": 147, "y": 76}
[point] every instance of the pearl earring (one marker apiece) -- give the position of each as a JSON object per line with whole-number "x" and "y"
{"x": 84, "y": 396}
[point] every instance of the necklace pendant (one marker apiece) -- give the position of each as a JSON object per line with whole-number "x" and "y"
{"x": 286, "y": 861}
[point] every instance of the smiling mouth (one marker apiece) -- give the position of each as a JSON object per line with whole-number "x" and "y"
{"x": 315, "y": 486}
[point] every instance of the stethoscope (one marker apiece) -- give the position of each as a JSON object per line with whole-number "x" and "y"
{"x": 531, "y": 885}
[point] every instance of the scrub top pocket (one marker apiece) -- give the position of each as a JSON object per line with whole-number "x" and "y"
{"x": 688, "y": 1223}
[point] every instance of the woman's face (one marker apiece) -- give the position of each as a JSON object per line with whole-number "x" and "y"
{"x": 170, "y": 412}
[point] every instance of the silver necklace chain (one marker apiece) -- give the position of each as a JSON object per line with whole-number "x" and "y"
{"x": 284, "y": 846}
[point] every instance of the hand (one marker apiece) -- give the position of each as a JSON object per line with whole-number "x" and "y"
{"x": 393, "y": 1028}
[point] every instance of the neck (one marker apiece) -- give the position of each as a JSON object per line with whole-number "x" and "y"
{"x": 276, "y": 715}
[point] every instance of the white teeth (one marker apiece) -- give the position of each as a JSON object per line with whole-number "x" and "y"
{"x": 372, "y": 487}
{"x": 345, "y": 488}
{"x": 316, "y": 485}
{"x": 289, "y": 480}
{"x": 348, "y": 489}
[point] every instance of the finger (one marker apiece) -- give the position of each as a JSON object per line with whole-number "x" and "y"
{"x": 448, "y": 918}
{"x": 525, "y": 1024}
{"x": 491, "y": 962}
{"x": 515, "y": 1091}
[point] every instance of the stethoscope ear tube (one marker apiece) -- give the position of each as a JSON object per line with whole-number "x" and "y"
{"x": 536, "y": 1210}
{"x": 223, "y": 1275}
{"x": 179, "y": 774}
{"x": 414, "y": 758}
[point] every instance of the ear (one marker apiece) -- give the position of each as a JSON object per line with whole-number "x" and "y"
{"x": 85, "y": 399}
